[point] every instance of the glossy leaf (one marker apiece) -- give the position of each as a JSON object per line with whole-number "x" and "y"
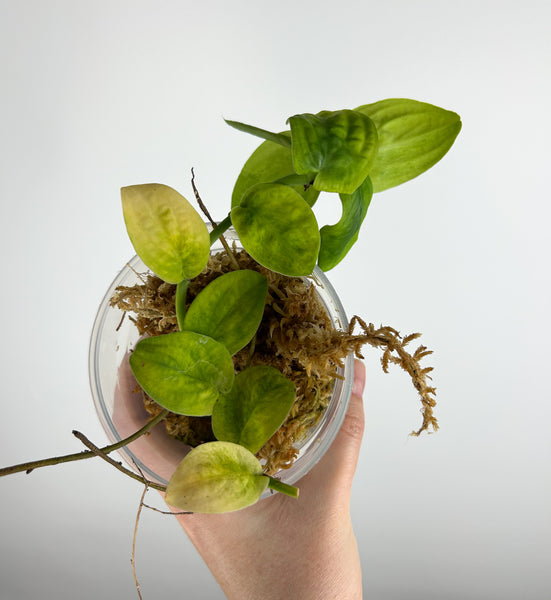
{"x": 278, "y": 229}
{"x": 338, "y": 146}
{"x": 229, "y": 309}
{"x": 167, "y": 233}
{"x": 183, "y": 372}
{"x": 336, "y": 240}
{"x": 269, "y": 163}
{"x": 413, "y": 136}
{"x": 216, "y": 477}
{"x": 278, "y": 138}
{"x": 255, "y": 408}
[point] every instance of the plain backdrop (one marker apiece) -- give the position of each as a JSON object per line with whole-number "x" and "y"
{"x": 98, "y": 95}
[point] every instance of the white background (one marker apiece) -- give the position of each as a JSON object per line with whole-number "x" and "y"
{"x": 97, "y": 95}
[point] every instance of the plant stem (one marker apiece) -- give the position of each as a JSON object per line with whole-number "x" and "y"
{"x": 133, "y": 559}
{"x": 220, "y": 229}
{"x": 213, "y": 223}
{"x": 98, "y": 452}
{"x": 294, "y": 179}
{"x": 36, "y": 464}
{"x": 284, "y": 488}
{"x": 180, "y": 302}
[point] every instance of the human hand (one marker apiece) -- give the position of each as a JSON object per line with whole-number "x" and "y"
{"x": 284, "y": 548}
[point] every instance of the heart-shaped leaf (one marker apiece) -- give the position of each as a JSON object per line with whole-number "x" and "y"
{"x": 339, "y": 146}
{"x": 269, "y": 163}
{"x": 216, "y": 477}
{"x": 413, "y": 136}
{"x": 183, "y": 372}
{"x": 229, "y": 309}
{"x": 254, "y": 409}
{"x": 336, "y": 240}
{"x": 167, "y": 233}
{"x": 278, "y": 229}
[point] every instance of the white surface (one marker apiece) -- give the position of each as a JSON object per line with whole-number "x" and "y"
{"x": 96, "y": 95}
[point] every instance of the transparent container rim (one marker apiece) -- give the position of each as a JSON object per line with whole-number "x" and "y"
{"x": 322, "y": 434}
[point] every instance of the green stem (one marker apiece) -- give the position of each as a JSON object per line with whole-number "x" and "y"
{"x": 180, "y": 302}
{"x": 294, "y": 179}
{"x": 36, "y": 464}
{"x": 284, "y": 488}
{"x": 220, "y": 229}
{"x": 218, "y": 233}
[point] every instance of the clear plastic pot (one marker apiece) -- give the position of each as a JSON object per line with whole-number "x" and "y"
{"x": 118, "y": 400}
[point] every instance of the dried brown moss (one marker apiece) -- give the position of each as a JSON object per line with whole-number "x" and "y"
{"x": 296, "y": 336}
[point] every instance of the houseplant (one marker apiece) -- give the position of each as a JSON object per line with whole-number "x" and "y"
{"x": 120, "y": 403}
{"x": 190, "y": 370}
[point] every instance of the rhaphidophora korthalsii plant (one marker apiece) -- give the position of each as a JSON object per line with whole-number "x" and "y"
{"x": 203, "y": 366}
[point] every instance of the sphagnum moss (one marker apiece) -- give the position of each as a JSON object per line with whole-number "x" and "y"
{"x": 296, "y": 337}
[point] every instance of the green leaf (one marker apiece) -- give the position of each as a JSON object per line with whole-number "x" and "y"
{"x": 229, "y": 309}
{"x": 278, "y": 229}
{"x": 338, "y": 146}
{"x": 267, "y": 164}
{"x": 255, "y": 408}
{"x": 336, "y": 240}
{"x": 183, "y": 372}
{"x": 216, "y": 477}
{"x": 167, "y": 233}
{"x": 278, "y": 138}
{"x": 413, "y": 136}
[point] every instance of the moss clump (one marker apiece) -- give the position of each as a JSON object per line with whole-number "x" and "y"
{"x": 296, "y": 336}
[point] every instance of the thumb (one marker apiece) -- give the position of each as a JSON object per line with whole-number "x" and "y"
{"x": 354, "y": 421}
{"x": 336, "y": 469}
{"x": 346, "y": 446}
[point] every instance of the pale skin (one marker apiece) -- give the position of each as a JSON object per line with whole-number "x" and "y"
{"x": 292, "y": 548}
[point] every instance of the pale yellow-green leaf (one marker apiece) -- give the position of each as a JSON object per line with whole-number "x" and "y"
{"x": 216, "y": 477}
{"x": 167, "y": 233}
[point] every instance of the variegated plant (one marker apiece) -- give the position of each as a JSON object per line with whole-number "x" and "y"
{"x": 352, "y": 153}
